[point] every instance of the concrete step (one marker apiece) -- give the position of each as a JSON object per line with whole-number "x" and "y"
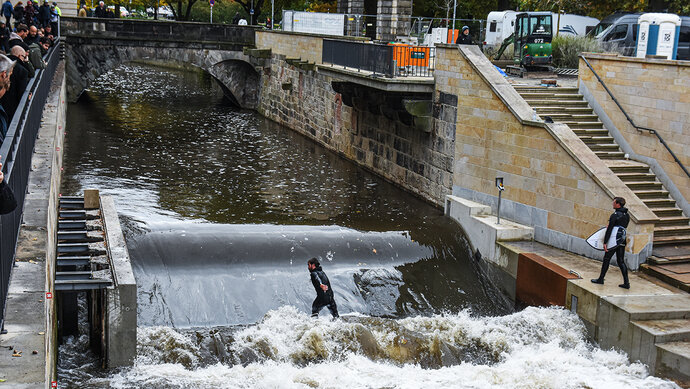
{"x": 593, "y": 140}
{"x": 571, "y": 117}
{"x": 571, "y": 110}
{"x": 643, "y": 185}
{"x": 603, "y": 147}
{"x": 591, "y": 132}
{"x": 630, "y": 169}
{"x": 663, "y": 271}
{"x": 610, "y": 154}
{"x": 666, "y": 211}
{"x": 664, "y": 331}
{"x": 551, "y": 96}
{"x": 532, "y": 88}
{"x": 673, "y": 221}
{"x": 651, "y": 194}
{"x": 556, "y": 103}
{"x": 662, "y": 231}
{"x": 673, "y": 360}
{"x": 647, "y": 334}
{"x": 654, "y": 260}
{"x": 585, "y": 125}
{"x": 665, "y": 203}
{"x": 635, "y": 176}
{"x": 671, "y": 240}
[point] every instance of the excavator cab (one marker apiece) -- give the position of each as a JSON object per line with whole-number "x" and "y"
{"x": 532, "y": 39}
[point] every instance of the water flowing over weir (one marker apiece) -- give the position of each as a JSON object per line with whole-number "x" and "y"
{"x": 221, "y": 210}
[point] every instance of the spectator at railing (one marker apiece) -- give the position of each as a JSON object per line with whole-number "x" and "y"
{"x": 55, "y": 15}
{"x": 30, "y": 12}
{"x": 6, "y": 67}
{"x": 4, "y": 37}
{"x": 38, "y": 51}
{"x": 18, "y": 14}
{"x": 82, "y": 11}
{"x": 49, "y": 31}
{"x": 7, "y": 201}
{"x": 17, "y": 38}
{"x": 99, "y": 12}
{"x": 44, "y": 14}
{"x": 32, "y": 37}
{"x": 19, "y": 78}
{"x": 7, "y": 11}
{"x": 23, "y": 58}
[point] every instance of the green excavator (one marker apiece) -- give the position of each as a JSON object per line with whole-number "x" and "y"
{"x": 531, "y": 42}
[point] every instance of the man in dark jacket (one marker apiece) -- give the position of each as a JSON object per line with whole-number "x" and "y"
{"x": 30, "y": 12}
{"x": 44, "y": 14}
{"x": 17, "y": 38}
{"x": 7, "y": 201}
{"x": 464, "y": 38}
{"x": 99, "y": 12}
{"x": 620, "y": 218}
{"x": 322, "y": 286}
{"x": 18, "y": 81}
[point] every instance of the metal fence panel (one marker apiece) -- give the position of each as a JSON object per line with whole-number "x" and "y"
{"x": 17, "y": 151}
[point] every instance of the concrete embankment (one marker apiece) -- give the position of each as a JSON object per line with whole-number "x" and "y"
{"x": 30, "y": 315}
{"x": 650, "y": 321}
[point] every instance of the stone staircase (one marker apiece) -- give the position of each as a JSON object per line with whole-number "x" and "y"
{"x": 566, "y": 105}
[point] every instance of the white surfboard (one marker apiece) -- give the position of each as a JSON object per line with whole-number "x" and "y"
{"x": 597, "y": 239}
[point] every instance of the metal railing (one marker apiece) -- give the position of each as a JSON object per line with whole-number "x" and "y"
{"x": 397, "y": 60}
{"x": 640, "y": 128}
{"x": 16, "y": 151}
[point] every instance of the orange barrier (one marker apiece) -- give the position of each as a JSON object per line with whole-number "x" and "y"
{"x": 408, "y": 55}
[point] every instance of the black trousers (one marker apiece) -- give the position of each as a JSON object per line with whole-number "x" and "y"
{"x": 620, "y": 258}
{"x": 324, "y": 300}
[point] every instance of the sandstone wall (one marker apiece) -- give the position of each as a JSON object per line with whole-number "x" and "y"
{"x": 553, "y": 181}
{"x": 656, "y": 94}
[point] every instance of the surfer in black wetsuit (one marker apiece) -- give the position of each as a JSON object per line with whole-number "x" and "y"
{"x": 322, "y": 286}
{"x": 621, "y": 218}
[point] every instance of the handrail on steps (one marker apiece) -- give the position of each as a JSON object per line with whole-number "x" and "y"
{"x": 640, "y": 128}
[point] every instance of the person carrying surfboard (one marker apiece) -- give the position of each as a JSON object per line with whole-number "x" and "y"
{"x": 619, "y": 217}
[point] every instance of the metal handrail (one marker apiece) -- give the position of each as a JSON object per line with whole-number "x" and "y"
{"x": 639, "y": 128}
{"x": 16, "y": 151}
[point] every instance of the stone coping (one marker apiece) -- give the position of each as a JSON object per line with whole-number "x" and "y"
{"x": 307, "y": 34}
{"x": 127, "y": 20}
{"x": 570, "y": 142}
{"x": 653, "y": 61}
{"x": 396, "y": 84}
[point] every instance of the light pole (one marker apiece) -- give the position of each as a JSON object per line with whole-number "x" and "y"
{"x": 452, "y": 35}
{"x": 272, "y": 6}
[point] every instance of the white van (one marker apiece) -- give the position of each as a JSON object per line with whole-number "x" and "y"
{"x": 499, "y": 26}
{"x": 574, "y": 24}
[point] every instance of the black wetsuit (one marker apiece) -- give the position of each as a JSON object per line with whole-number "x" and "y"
{"x": 323, "y": 299}
{"x": 621, "y": 218}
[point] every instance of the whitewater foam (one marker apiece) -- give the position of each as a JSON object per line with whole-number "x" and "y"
{"x": 534, "y": 348}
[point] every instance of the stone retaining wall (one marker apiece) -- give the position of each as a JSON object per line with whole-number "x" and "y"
{"x": 553, "y": 181}
{"x": 656, "y": 94}
{"x": 306, "y": 102}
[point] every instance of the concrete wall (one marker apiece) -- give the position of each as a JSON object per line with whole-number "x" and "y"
{"x": 30, "y": 317}
{"x": 553, "y": 181}
{"x": 306, "y": 102}
{"x": 656, "y": 94}
{"x": 121, "y": 315}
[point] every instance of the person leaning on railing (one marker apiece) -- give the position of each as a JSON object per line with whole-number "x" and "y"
{"x": 6, "y": 67}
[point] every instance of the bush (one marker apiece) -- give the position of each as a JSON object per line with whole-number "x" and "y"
{"x": 567, "y": 48}
{"x": 491, "y": 53}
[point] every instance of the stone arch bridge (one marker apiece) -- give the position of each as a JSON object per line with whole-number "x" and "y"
{"x": 95, "y": 46}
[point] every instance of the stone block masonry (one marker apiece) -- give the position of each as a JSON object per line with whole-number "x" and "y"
{"x": 554, "y": 183}
{"x": 656, "y": 94}
{"x": 305, "y": 101}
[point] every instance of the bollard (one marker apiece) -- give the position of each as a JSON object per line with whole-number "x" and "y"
{"x": 499, "y": 185}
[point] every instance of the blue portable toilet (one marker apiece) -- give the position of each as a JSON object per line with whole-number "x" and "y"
{"x": 658, "y": 35}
